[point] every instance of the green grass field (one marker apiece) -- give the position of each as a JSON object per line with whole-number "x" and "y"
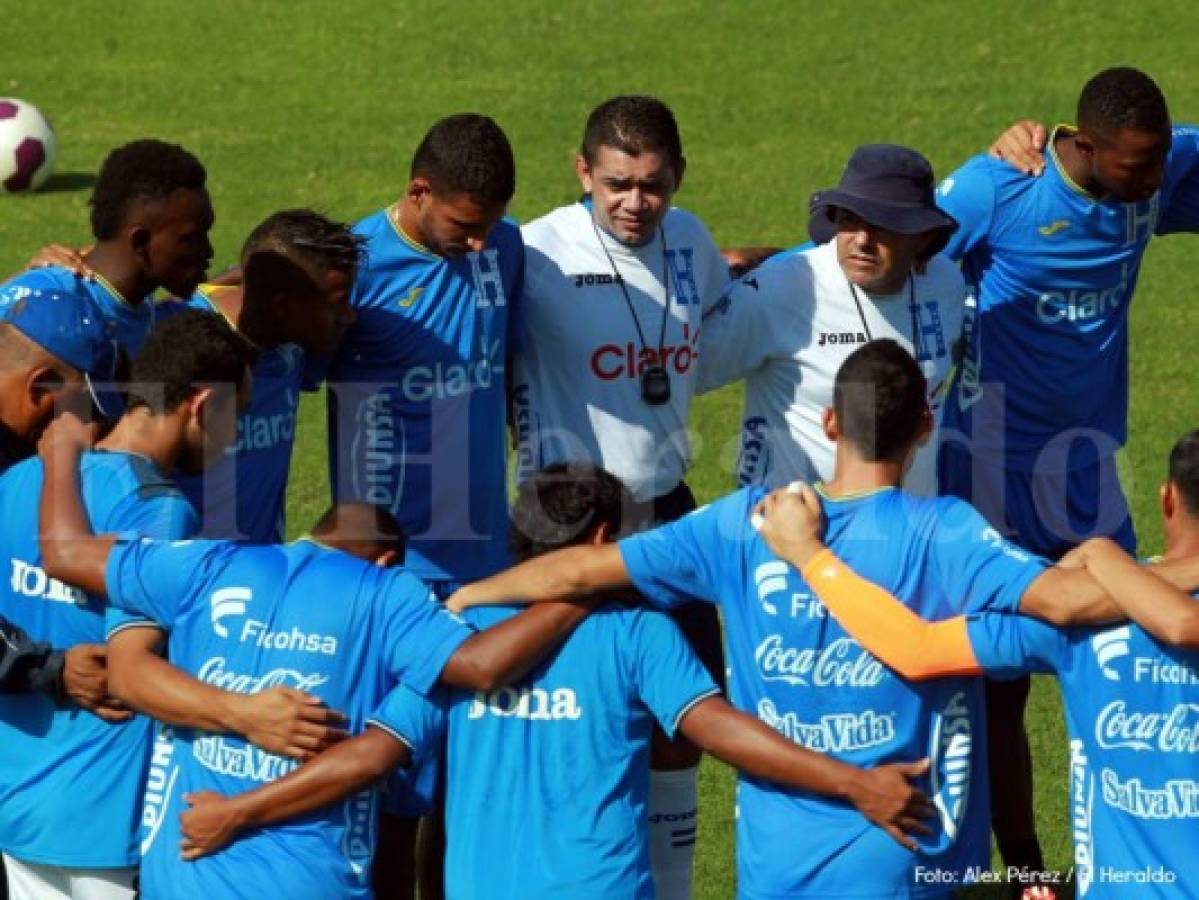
{"x": 321, "y": 104}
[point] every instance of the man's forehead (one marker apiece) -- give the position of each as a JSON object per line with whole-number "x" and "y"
{"x": 613, "y": 162}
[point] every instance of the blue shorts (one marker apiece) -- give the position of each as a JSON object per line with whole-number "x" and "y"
{"x": 1047, "y": 513}
{"x": 410, "y": 793}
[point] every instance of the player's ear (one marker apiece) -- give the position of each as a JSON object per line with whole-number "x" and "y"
{"x": 601, "y": 534}
{"x": 1085, "y": 145}
{"x": 40, "y": 393}
{"x": 583, "y": 170}
{"x": 1168, "y": 500}
{"x": 137, "y": 236}
{"x": 419, "y": 190}
{"x": 832, "y": 429}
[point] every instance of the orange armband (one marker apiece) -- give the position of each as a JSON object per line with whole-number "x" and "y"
{"x": 915, "y": 648}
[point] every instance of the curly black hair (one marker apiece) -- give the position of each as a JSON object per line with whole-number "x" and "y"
{"x": 562, "y": 504}
{"x": 139, "y": 171}
{"x": 1123, "y": 98}
{"x": 309, "y": 237}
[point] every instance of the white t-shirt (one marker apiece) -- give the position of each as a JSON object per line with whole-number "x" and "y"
{"x": 787, "y": 327}
{"x": 577, "y": 385}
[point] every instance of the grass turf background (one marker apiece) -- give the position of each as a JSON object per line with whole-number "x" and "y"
{"x": 321, "y": 104}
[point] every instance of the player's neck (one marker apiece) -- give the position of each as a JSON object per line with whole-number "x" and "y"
{"x": 854, "y": 475}
{"x": 158, "y": 438}
{"x": 247, "y": 318}
{"x": 1074, "y": 164}
{"x": 121, "y": 273}
{"x": 404, "y": 214}
{"x": 1182, "y": 544}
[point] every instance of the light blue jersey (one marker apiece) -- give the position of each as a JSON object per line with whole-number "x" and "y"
{"x": 797, "y": 670}
{"x": 131, "y": 321}
{"x": 244, "y": 495}
{"x": 550, "y": 776}
{"x": 71, "y": 784}
{"x": 245, "y": 618}
{"x": 1132, "y": 713}
{"x": 1054, "y": 269}
{"x": 417, "y": 396}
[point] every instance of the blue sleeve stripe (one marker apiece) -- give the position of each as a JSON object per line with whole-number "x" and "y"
{"x": 690, "y": 705}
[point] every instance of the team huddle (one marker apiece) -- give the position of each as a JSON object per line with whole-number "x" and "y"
{"x": 936, "y": 387}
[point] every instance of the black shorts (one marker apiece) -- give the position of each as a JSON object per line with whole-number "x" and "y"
{"x": 699, "y": 621}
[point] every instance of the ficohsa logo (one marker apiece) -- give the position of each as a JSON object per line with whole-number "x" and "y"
{"x": 228, "y": 602}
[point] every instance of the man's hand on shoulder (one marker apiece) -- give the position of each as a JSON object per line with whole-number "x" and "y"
{"x": 85, "y": 683}
{"x": 791, "y": 522}
{"x": 1022, "y": 146}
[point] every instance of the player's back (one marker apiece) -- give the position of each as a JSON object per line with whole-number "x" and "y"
{"x": 252, "y": 617}
{"x": 549, "y": 777}
{"x": 70, "y": 783}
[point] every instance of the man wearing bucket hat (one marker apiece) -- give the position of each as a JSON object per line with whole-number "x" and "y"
{"x": 787, "y": 326}
{"x": 52, "y": 351}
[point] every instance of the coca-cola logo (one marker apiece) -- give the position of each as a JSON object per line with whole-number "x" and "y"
{"x": 1175, "y": 731}
{"x": 843, "y": 663}
{"x": 214, "y": 672}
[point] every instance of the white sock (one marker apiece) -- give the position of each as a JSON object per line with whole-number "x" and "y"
{"x": 673, "y": 808}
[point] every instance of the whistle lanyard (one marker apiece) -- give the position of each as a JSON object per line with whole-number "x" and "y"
{"x": 625, "y": 291}
{"x": 917, "y": 335}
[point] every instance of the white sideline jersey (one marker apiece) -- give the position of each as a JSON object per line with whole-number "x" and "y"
{"x": 577, "y": 386}
{"x": 786, "y": 328}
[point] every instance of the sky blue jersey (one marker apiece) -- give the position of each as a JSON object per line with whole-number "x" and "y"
{"x": 244, "y": 495}
{"x": 550, "y": 776}
{"x": 417, "y": 396}
{"x": 71, "y": 784}
{"x": 796, "y": 669}
{"x": 245, "y": 618}
{"x": 131, "y": 322}
{"x": 1054, "y": 270}
{"x": 1132, "y": 713}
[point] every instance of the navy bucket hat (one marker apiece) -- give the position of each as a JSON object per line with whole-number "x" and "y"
{"x": 888, "y": 186}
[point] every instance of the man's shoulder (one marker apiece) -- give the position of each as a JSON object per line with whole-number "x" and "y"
{"x": 558, "y": 226}
{"x": 682, "y": 225}
{"x": 941, "y": 272}
{"x": 506, "y": 236}
{"x": 371, "y": 225}
{"x": 119, "y": 475}
{"x": 45, "y": 278}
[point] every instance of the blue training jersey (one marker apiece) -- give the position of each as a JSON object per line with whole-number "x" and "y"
{"x": 131, "y": 321}
{"x": 245, "y": 618}
{"x": 1054, "y": 270}
{"x": 796, "y": 669}
{"x": 549, "y": 777}
{"x": 71, "y": 784}
{"x": 417, "y": 396}
{"x": 244, "y": 495}
{"x": 1132, "y": 713}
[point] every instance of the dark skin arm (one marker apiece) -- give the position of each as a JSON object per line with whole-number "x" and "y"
{"x": 883, "y": 795}
{"x": 214, "y": 820}
{"x": 569, "y": 574}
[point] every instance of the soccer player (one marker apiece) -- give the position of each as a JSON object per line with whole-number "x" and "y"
{"x": 1034, "y": 420}
{"x": 244, "y": 617}
{"x": 297, "y": 269}
{"x": 51, "y": 352}
{"x": 567, "y": 747}
{"x": 150, "y": 217}
{"x": 802, "y": 674}
{"x": 1130, "y": 692}
{"x": 876, "y": 271}
{"x": 71, "y": 784}
{"x": 417, "y": 392}
{"x": 615, "y": 287}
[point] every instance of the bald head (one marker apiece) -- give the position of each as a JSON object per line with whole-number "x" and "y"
{"x": 363, "y": 530}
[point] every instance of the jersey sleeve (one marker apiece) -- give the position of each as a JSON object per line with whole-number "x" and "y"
{"x": 1180, "y": 191}
{"x": 668, "y": 675}
{"x": 681, "y": 562}
{"x": 971, "y": 557}
{"x": 160, "y": 580}
{"x": 419, "y": 634}
{"x": 515, "y": 325}
{"x": 1010, "y": 645}
{"x": 415, "y": 720}
{"x": 969, "y": 196}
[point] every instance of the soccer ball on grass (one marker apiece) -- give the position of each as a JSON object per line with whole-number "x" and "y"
{"x": 27, "y": 146}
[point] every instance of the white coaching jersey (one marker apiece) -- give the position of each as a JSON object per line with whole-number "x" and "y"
{"x": 787, "y": 326}
{"x": 577, "y": 387}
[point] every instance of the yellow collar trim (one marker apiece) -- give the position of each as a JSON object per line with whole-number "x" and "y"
{"x": 393, "y": 216}
{"x": 117, "y": 295}
{"x": 1051, "y": 145}
{"x": 822, "y": 490}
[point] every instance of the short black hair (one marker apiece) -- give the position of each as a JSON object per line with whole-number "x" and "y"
{"x": 880, "y": 397}
{"x": 467, "y": 154}
{"x": 635, "y": 124}
{"x": 137, "y": 172}
{"x": 308, "y": 236}
{"x": 190, "y": 349}
{"x": 1184, "y": 471}
{"x": 1121, "y": 98}
{"x": 364, "y": 530}
{"x": 562, "y": 504}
